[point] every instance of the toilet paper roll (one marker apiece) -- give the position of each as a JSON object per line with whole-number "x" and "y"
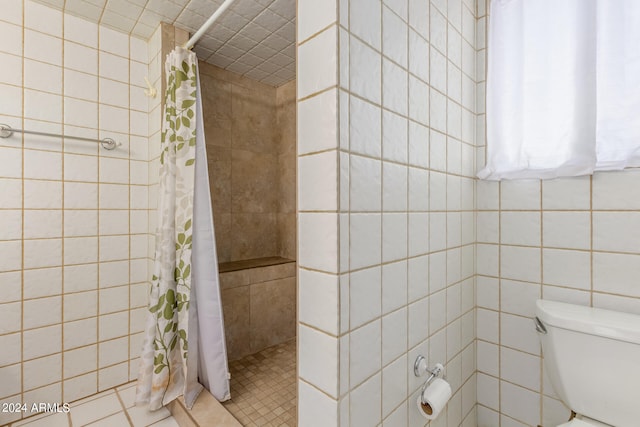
{"x": 434, "y": 398}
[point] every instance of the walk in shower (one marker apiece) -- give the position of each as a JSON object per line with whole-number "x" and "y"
{"x": 250, "y": 129}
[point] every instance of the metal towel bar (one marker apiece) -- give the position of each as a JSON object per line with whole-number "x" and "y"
{"x": 107, "y": 143}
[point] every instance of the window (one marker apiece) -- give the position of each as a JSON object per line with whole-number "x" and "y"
{"x": 563, "y": 88}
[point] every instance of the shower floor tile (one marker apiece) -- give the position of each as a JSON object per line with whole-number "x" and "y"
{"x": 263, "y": 387}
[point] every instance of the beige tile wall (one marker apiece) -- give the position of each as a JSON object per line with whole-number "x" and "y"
{"x": 386, "y": 134}
{"x": 73, "y": 216}
{"x": 249, "y": 127}
{"x": 259, "y": 306}
{"x": 286, "y": 139}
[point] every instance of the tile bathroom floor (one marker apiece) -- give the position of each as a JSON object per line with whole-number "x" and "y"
{"x": 112, "y": 408}
{"x": 263, "y": 387}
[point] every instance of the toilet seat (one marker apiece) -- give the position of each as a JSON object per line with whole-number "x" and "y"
{"x": 583, "y": 422}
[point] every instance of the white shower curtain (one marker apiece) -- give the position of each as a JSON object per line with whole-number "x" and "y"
{"x": 184, "y": 339}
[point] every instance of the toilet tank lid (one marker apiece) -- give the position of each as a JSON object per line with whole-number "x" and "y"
{"x": 589, "y": 320}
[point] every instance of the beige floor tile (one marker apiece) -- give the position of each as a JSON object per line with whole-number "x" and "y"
{"x": 126, "y": 386}
{"x": 119, "y": 419}
{"x": 94, "y": 410}
{"x": 167, "y": 422}
{"x": 103, "y": 410}
{"x": 45, "y": 420}
{"x": 263, "y": 387}
{"x": 141, "y": 417}
{"x": 93, "y": 397}
{"x": 128, "y": 396}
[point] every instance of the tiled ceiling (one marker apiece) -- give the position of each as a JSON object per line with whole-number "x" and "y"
{"x": 254, "y": 38}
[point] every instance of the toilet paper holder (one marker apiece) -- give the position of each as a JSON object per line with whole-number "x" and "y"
{"x": 420, "y": 368}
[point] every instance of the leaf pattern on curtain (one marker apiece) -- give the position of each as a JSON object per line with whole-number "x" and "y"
{"x": 163, "y": 364}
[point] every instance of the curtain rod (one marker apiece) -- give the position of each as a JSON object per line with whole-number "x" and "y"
{"x": 193, "y": 40}
{"x": 107, "y": 143}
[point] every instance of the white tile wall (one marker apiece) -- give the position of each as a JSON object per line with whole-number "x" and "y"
{"x": 392, "y": 228}
{"x": 65, "y": 208}
{"x": 569, "y": 239}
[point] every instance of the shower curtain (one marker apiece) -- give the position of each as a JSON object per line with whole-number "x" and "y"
{"x": 184, "y": 340}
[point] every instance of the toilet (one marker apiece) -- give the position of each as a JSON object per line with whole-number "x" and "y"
{"x": 592, "y": 358}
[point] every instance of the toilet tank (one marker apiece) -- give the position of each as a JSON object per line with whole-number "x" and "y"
{"x": 592, "y": 357}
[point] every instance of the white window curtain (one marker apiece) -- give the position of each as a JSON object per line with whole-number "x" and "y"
{"x": 563, "y": 88}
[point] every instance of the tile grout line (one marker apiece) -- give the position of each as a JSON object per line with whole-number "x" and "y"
{"x": 98, "y": 204}
{"x": 408, "y": 202}
{"x": 63, "y": 233}
{"x": 379, "y": 368}
{"x": 22, "y": 265}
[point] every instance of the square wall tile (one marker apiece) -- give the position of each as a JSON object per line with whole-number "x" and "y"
{"x": 520, "y": 194}
{"x": 366, "y": 21}
{"x": 11, "y": 35}
{"x": 317, "y": 57}
{"x": 520, "y": 228}
{"x": 616, "y": 273}
{"x": 394, "y": 385}
{"x": 570, "y": 230}
{"x": 81, "y": 58}
{"x": 40, "y": 224}
{"x": 42, "y": 77}
{"x": 44, "y": 19}
{"x": 366, "y": 184}
{"x": 365, "y": 240}
{"x": 360, "y": 402}
{"x": 81, "y": 386}
{"x": 318, "y": 241}
{"x": 317, "y": 122}
{"x": 12, "y": 349}
{"x": 80, "y": 31}
{"x": 317, "y": 181}
{"x": 42, "y": 165}
{"x": 365, "y": 66}
{"x": 42, "y": 342}
{"x": 13, "y": 375}
{"x": 520, "y": 263}
{"x": 394, "y": 139}
{"x": 43, "y": 371}
{"x": 566, "y": 193}
{"x": 616, "y": 231}
{"x": 394, "y": 335}
{"x": 364, "y": 353}
{"x": 519, "y": 297}
{"x": 394, "y": 285}
{"x": 318, "y": 299}
{"x": 365, "y": 293}
{"x": 519, "y": 403}
{"x": 615, "y": 190}
{"x": 80, "y": 361}
{"x": 318, "y": 359}
{"x": 394, "y": 92}
{"x": 42, "y": 282}
{"x": 42, "y": 47}
{"x": 567, "y": 268}
{"x": 42, "y": 253}
{"x": 518, "y": 333}
{"x": 365, "y": 129}
{"x": 314, "y": 16}
{"x": 316, "y": 408}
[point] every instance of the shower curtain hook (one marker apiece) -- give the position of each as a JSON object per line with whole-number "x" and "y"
{"x": 151, "y": 91}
